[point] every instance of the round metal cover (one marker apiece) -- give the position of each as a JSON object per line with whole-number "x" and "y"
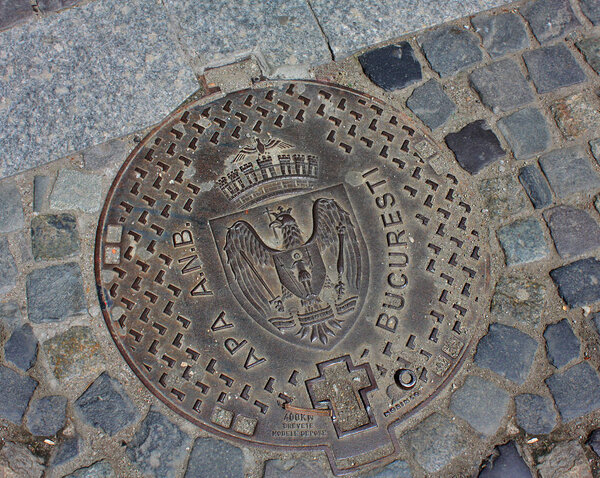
{"x": 282, "y": 266}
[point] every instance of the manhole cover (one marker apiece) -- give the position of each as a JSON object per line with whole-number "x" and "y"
{"x": 283, "y": 267}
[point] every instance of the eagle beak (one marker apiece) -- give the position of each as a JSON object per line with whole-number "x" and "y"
{"x": 275, "y": 224}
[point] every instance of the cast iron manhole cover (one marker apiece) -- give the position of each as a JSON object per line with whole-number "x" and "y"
{"x": 282, "y": 266}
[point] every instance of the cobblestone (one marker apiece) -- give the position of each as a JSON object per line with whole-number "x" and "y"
{"x": 595, "y": 147}
{"x": 436, "y": 441}
{"x": 100, "y": 469}
{"x": 594, "y": 441}
{"x": 76, "y": 190}
{"x": 590, "y": 47}
{"x": 217, "y": 459}
{"x": 569, "y": 171}
{"x": 21, "y": 348}
{"x": 535, "y": 414}
{"x": 109, "y": 154}
{"x": 16, "y": 461}
{"x": 562, "y": 345}
{"x": 431, "y": 104}
{"x": 396, "y": 469}
{"x": 41, "y": 191}
{"x": 553, "y": 67}
{"x": 576, "y": 114}
{"x": 591, "y": 9}
{"x": 501, "y": 34}
{"x": 535, "y": 186}
{"x": 450, "y": 50}
{"x": 14, "y": 12}
{"x": 578, "y": 282}
{"x": 46, "y": 416}
{"x": 8, "y": 268}
{"x": 15, "y": 392}
{"x": 475, "y": 146}
{"x": 503, "y": 197}
{"x": 550, "y": 19}
{"x": 576, "y": 391}
{"x": 106, "y": 405}
{"x": 518, "y": 301}
{"x": 10, "y": 315}
{"x": 501, "y": 86}
{"x": 526, "y": 132}
{"x": 573, "y": 230}
{"x": 565, "y": 460}
{"x": 11, "y": 213}
{"x": 67, "y": 450}
{"x": 523, "y": 241}
{"x": 55, "y": 293}
{"x": 506, "y": 462}
{"x": 74, "y": 353}
{"x": 507, "y": 352}
{"x": 55, "y": 5}
{"x": 392, "y": 67}
{"x": 54, "y": 236}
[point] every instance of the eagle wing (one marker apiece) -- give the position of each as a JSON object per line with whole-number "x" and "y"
{"x": 328, "y": 218}
{"x": 248, "y": 256}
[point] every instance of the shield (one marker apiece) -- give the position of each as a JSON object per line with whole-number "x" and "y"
{"x": 301, "y": 270}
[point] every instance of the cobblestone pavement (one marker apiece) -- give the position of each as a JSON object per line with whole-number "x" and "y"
{"x": 511, "y": 94}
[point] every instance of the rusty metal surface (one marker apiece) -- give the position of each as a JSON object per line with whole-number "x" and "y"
{"x": 283, "y": 267}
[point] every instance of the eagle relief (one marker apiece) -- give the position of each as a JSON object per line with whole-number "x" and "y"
{"x": 297, "y": 265}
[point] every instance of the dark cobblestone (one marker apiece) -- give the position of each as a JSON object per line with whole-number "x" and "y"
{"x": 55, "y": 293}
{"x": 431, "y": 104}
{"x": 523, "y": 241}
{"x": 503, "y": 197}
{"x": 67, "y": 450}
{"x": 106, "y": 405}
{"x": 450, "y": 50}
{"x": 21, "y": 348}
{"x": 14, "y": 12}
{"x": 501, "y": 34}
{"x": 436, "y": 441}
{"x": 501, "y": 86}
{"x": 54, "y": 236}
{"x": 100, "y": 469}
{"x": 158, "y": 447}
{"x": 518, "y": 301}
{"x": 475, "y": 146}
{"x": 526, "y": 132}
{"x": 8, "y": 268}
{"x": 562, "y": 345}
{"x": 507, "y": 352}
{"x": 590, "y": 47}
{"x": 565, "y": 460}
{"x": 505, "y": 463}
{"x": 217, "y": 459}
{"x": 578, "y": 282}
{"x": 574, "y": 231}
{"x": 46, "y": 416}
{"x": 535, "y": 186}
{"x": 55, "y": 5}
{"x": 391, "y": 67}
{"x": 10, "y": 315}
{"x": 480, "y": 403}
{"x": 591, "y": 9}
{"x": 535, "y": 414}
{"x": 596, "y": 321}
{"x": 594, "y": 441}
{"x": 285, "y": 469}
{"x": 553, "y": 67}
{"x": 11, "y": 212}
{"x": 550, "y": 19}
{"x": 15, "y": 392}
{"x": 569, "y": 171}
{"x": 41, "y": 190}
{"x": 576, "y": 391}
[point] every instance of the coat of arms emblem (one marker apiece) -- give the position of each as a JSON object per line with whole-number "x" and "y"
{"x": 298, "y": 265}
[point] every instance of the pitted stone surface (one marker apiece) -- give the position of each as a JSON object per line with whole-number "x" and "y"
{"x": 506, "y": 462}
{"x": 11, "y": 213}
{"x": 55, "y": 293}
{"x": 550, "y": 19}
{"x": 8, "y": 268}
{"x": 562, "y": 345}
{"x": 553, "y": 67}
{"x": 506, "y": 351}
{"x": 106, "y": 405}
{"x": 16, "y": 461}
{"x": 535, "y": 414}
{"x": 158, "y": 447}
{"x": 46, "y": 416}
{"x": 475, "y": 146}
{"x": 100, "y": 469}
{"x": 75, "y": 189}
{"x": 54, "y": 236}
{"x": 107, "y": 155}
{"x": 523, "y": 241}
{"x": 481, "y": 404}
{"x": 578, "y": 282}
{"x": 573, "y": 230}
{"x": 526, "y": 132}
{"x": 518, "y": 301}
{"x": 577, "y": 114}
{"x": 15, "y": 392}
{"x": 450, "y": 50}
{"x": 591, "y": 9}
{"x": 216, "y": 458}
{"x": 535, "y": 186}
{"x": 569, "y": 171}
{"x": 501, "y": 34}
{"x": 565, "y": 460}
{"x": 503, "y": 197}
{"x": 501, "y": 86}
{"x": 431, "y": 104}
{"x": 391, "y": 67}
{"x": 21, "y": 348}
{"x": 67, "y": 450}
{"x": 576, "y": 391}
{"x": 436, "y": 441}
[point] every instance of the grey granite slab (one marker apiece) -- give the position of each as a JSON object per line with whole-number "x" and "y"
{"x": 84, "y": 76}
{"x": 218, "y": 32}
{"x": 355, "y": 24}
